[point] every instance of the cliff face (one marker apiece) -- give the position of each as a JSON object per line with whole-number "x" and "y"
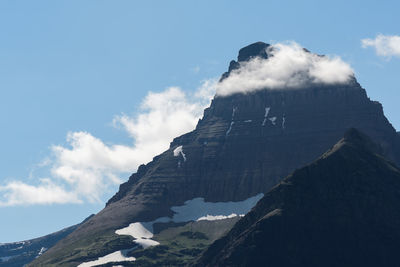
{"x": 236, "y": 151}
{"x": 341, "y": 210}
{"x": 244, "y": 145}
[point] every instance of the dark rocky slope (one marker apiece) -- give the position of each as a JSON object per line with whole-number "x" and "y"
{"x": 234, "y": 153}
{"x": 341, "y": 210}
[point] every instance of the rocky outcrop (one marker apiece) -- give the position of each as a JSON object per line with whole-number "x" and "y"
{"x": 244, "y": 145}
{"x": 341, "y": 210}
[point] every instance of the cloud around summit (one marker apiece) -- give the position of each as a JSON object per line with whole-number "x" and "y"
{"x": 288, "y": 66}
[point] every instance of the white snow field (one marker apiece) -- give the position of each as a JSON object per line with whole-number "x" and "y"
{"x": 117, "y": 256}
{"x": 140, "y": 233}
{"x": 218, "y": 217}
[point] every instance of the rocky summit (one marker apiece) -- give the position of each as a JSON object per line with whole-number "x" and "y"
{"x": 242, "y": 147}
{"x": 341, "y": 210}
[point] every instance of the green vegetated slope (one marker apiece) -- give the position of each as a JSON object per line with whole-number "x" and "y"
{"x": 180, "y": 245}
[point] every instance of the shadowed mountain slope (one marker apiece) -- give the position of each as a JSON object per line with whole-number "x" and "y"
{"x": 341, "y": 210}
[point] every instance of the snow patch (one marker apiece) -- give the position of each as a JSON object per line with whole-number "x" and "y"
{"x": 218, "y": 217}
{"x": 230, "y": 128}
{"x": 192, "y": 210}
{"x": 140, "y": 232}
{"x": 233, "y": 112}
{"x": 117, "y": 256}
{"x": 179, "y": 151}
{"x": 136, "y": 230}
{"x": 248, "y": 121}
{"x": 283, "y": 121}
{"x": 267, "y": 109}
{"x": 145, "y": 243}
{"x": 232, "y": 122}
{"x": 273, "y": 120}
{"x": 196, "y": 208}
{"x": 264, "y": 122}
{"x": 42, "y": 250}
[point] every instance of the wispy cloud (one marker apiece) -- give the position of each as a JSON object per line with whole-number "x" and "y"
{"x": 46, "y": 192}
{"x": 289, "y": 66}
{"x": 385, "y": 45}
{"x": 83, "y": 170}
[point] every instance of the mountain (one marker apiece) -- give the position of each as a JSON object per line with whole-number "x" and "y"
{"x": 241, "y": 148}
{"x": 341, "y": 210}
{"x": 18, "y": 254}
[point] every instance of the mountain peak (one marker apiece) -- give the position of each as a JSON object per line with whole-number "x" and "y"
{"x": 357, "y": 140}
{"x": 258, "y": 49}
{"x": 352, "y": 135}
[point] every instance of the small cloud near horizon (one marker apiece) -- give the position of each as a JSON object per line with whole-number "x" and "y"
{"x": 387, "y": 46}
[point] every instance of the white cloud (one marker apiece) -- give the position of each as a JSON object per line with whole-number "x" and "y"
{"x": 19, "y": 193}
{"x": 166, "y": 115}
{"x": 385, "y": 45}
{"x": 289, "y": 66}
{"x": 84, "y": 170}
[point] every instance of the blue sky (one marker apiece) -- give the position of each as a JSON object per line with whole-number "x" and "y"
{"x": 85, "y": 66}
